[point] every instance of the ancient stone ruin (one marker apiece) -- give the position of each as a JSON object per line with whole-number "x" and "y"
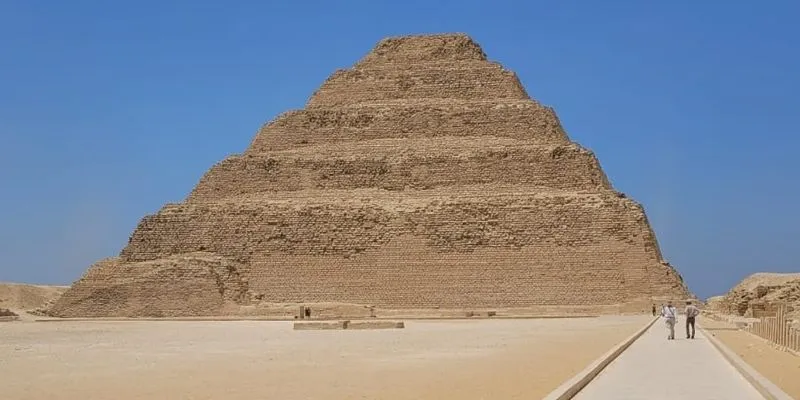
{"x": 761, "y": 294}
{"x": 7, "y": 315}
{"x": 422, "y": 177}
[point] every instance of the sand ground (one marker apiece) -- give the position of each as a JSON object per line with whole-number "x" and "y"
{"x": 484, "y": 359}
{"x": 780, "y": 367}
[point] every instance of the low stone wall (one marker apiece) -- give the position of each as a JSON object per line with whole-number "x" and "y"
{"x": 376, "y": 325}
{"x": 332, "y": 325}
{"x": 320, "y": 325}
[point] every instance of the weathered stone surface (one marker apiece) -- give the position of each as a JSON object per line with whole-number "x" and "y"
{"x": 193, "y": 284}
{"x": 422, "y": 177}
{"x": 398, "y": 164}
{"x": 463, "y": 81}
{"x": 429, "y": 118}
{"x": 415, "y": 49}
{"x": 760, "y": 294}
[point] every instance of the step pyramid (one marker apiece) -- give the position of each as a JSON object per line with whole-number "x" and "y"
{"x": 422, "y": 177}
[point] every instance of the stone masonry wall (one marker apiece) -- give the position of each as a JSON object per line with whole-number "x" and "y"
{"x": 466, "y": 81}
{"x": 519, "y": 119}
{"x": 390, "y": 165}
{"x": 333, "y": 223}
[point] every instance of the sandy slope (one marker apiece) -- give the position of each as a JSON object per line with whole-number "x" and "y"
{"x": 23, "y": 297}
{"x": 766, "y": 279}
{"x": 484, "y": 359}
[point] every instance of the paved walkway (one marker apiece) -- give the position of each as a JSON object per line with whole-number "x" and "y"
{"x": 655, "y": 368}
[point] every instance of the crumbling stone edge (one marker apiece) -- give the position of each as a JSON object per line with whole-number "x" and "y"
{"x": 570, "y": 388}
{"x": 763, "y": 385}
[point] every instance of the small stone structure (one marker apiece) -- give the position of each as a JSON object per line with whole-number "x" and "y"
{"x": 320, "y": 325}
{"x": 422, "y": 177}
{"x": 8, "y": 315}
{"x": 351, "y": 325}
{"x": 761, "y": 295}
{"x": 376, "y": 324}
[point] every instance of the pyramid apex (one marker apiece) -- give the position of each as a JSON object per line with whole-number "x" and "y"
{"x": 425, "y": 48}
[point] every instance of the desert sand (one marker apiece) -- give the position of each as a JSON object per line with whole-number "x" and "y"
{"x": 20, "y": 297}
{"x": 509, "y": 359}
{"x": 766, "y": 279}
{"x": 780, "y": 367}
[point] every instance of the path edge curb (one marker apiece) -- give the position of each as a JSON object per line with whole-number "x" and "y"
{"x": 570, "y": 388}
{"x": 763, "y": 385}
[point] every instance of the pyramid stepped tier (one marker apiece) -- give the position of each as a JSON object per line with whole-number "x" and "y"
{"x": 423, "y": 177}
{"x": 397, "y": 164}
{"x": 292, "y": 235}
{"x": 469, "y": 81}
{"x": 518, "y": 119}
{"x": 347, "y": 221}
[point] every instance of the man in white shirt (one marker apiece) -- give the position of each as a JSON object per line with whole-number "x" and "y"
{"x": 670, "y": 314}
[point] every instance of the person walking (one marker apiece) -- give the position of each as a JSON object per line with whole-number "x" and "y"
{"x": 691, "y": 312}
{"x": 654, "y": 310}
{"x": 670, "y": 315}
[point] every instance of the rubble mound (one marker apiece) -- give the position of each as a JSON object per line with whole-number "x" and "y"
{"x": 761, "y": 292}
{"x": 25, "y": 297}
{"x": 193, "y": 284}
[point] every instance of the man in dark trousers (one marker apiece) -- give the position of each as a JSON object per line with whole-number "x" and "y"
{"x": 691, "y": 312}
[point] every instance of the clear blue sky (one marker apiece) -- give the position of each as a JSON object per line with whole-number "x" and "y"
{"x": 110, "y": 109}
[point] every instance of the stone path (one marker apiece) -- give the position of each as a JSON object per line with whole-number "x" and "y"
{"x": 656, "y": 368}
